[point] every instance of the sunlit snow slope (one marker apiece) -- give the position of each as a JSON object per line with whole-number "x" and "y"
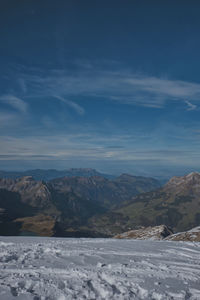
{"x": 47, "y": 268}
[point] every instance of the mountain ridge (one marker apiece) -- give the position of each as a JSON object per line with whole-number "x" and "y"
{"x": 97, "y": 206}
{"x": 67, "y": 203}
{"x": 176, "y": 204}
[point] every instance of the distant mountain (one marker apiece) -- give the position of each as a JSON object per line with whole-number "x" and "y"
{"x": 177, "y": 205}
{"x": 40, "y": 174}
{"x": 108, "y": 193}
{"x": 62, "y": 207}
{"x": 97, "y": 206}
{"x": 32, "y": 192}
{"x": 52, "y": 208}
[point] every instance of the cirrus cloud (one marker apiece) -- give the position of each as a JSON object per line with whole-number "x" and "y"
{"x": 14, "y": 102}
{"x": 121, "y": 86}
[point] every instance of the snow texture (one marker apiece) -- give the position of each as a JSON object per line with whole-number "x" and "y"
{"x": 50, "y": 268}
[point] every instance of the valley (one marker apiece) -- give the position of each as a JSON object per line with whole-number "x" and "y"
{"x": 96, "y": 206}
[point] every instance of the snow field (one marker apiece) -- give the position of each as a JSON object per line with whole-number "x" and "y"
{"x": 50, "y": 268}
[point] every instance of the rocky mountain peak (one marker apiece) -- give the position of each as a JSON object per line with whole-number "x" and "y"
{"x": 188, "y": 182}
{"x": 193, "y": 176}
{"x": 32, "y": 192}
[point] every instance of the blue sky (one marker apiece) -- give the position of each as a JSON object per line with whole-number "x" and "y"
{"x": 113, "y": 85}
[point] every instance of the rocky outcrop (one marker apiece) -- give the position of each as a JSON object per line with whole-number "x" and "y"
{"x": 161, "y": 232}
{"x": 146, "y": 233}
{"x": 192, "y": 235}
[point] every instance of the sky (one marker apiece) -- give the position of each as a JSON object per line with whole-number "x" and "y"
{"x": 111, "y": 85}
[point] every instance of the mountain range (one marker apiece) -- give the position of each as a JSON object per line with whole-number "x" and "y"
{"x": 176, "y": 204}
{"x": 97, "y": 206}
{"x": 63, "y": 207}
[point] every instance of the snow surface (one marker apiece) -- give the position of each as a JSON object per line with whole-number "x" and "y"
{"x": 50, "y": 268}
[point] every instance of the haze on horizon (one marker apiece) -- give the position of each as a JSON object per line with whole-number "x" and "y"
{"x": 111, "y": 85}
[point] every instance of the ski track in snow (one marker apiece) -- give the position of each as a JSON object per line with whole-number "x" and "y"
{"x": 50, "y": 268}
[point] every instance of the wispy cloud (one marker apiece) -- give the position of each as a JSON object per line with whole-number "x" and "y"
{"x": 93, "y": 147}
{"x": 80, "y": 110}
{"x": 14, "y": 102}
{"x": 190, "y": 105}
{"x": 97, "y": 150}
{"x": 119, "y": 85}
